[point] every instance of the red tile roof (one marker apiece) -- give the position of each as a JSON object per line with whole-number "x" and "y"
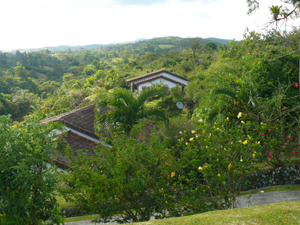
{"x": 76, "y": 142}
{"x": 81, "y": 119}
{"x": 156, "y": 72}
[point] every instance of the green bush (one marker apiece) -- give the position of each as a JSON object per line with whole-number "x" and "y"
{"x": 125, "y": 180}
{"x": 27, "y": 183}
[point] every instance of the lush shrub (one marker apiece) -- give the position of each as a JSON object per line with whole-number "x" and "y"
{"x": 27, "y": 183}
{"x": 125, "y": 180}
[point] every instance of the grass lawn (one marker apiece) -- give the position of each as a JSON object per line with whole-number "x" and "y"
{"x": 276, "y": 213}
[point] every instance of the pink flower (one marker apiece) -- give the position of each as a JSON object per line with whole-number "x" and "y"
{"x": 267, "y": 110}
{"x": 293, "y": 152}
{"x": 284, "y": 108}
{"x": 289, "y": 137}
{"x": 281, "y": 153}
{"x": 263, "y": 134}
{"x": 283, "y": 147}
{"x": 270, "y": 130}
{"x": 254, "y": 129}
{"x": 270, "y": 154}
{"x": 296, "y": 85}
{"x": 234, "y": 102}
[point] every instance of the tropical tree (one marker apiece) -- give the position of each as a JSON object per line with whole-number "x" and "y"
{"x": 126, "y": 110}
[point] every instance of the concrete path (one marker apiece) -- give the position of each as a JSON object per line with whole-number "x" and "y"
{"x": 241, "y": 201}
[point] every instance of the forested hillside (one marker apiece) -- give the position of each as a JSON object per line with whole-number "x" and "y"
{"x": 63, "y": 80}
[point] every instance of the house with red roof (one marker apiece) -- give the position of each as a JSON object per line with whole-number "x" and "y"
{"x": 81, "y": 135}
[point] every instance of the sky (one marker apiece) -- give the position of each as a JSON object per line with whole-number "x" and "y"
{"x": 35, "y": 23}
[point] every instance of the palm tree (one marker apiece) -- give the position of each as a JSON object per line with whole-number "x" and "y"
{"x": 126, "y": 110}
{"x": 243, "y": 92}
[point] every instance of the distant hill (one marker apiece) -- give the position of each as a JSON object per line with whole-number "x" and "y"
{"x": 161, "y": 41}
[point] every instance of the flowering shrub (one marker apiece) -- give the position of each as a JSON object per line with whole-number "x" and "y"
{"x": 214, "y": 164}
{"x": 278, "y": 141}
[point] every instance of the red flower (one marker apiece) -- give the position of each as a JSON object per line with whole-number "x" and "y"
{"x": 250, "y": 52}
{"x": 234, "y": 102}
{"x": 296, "y": 85}
{"x": 270, "y": 130}
{"x": 289, "y": 137}
{"x": 194, "y": 114}
{"x": 256, "y": 50}
{"x": 299, "y": 149}
{"x": 263, "y": 134}
{"x": 267, "y": 110}
{"x": 270, "y": 154}
{"x": 293, "y": 152}
{"x": 284, "y": 108}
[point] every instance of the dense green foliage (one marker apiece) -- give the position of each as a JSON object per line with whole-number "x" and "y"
{"x": 27, "y": 182}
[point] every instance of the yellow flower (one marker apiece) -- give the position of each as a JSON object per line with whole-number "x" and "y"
{"x": 241, "y": 160}
{"x": 225, "y": 149}
{"x": 209, "y": 134}
{"x": 232, "y": 143}
{"x": 201, "y": 121}
{"x": 193, "y": 131}
{"x": 191, "y": 139}
{"x": 253, "y": 155}
{"x": 227, "y": 118}
{"x": 206, "y": 146}
{"x": 218, "y": 128}
{"x": 261, "y": 123}
{"x": 200, "y": 168}
{"x": 180, "y": 132}
{"x": 203, "y": 131}
{"x": 239, "y": 115}
{"x": 186, "y": 143}
{"x": 258, "y": 142}
{"x": 197, "y": 135}
{"x": 229, "y": 166}
{"x": 173, "y": 174}
{"x": 240, "y": 141}
{"x": 181, "y": 139}
{"x": 245, "y": 142}
{"x": 219, "y": 175}
{"x": 242, "y": 122}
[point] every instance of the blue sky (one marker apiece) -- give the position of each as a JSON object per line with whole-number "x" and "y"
{"x": 36, "y": 23}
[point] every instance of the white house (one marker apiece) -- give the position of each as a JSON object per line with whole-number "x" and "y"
{"x": 157, "y": 77}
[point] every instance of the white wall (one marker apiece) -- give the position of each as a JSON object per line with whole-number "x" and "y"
{"x": 155, "y": 82}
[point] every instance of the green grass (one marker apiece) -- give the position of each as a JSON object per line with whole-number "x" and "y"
{"x": 275, "y": 214}
{"x": 80, "y": 218}
{"x": 165, "y": 46}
